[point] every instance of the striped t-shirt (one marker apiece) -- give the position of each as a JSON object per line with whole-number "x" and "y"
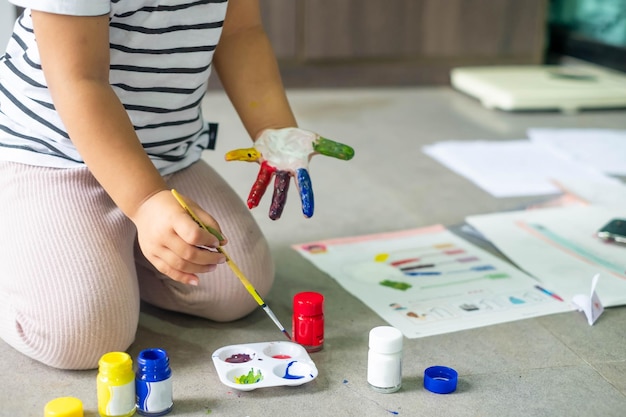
{"x": 161, "y": 53}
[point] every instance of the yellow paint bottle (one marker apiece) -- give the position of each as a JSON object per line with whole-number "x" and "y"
{"x": 116, "y": 385}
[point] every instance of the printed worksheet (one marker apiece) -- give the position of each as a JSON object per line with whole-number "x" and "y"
{"x": 559, "y": 246}
{"x": 430, "y": 281}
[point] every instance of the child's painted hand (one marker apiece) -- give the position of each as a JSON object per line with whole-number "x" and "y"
{"x": 172, "y": 242}
{"x": 286, "y": 153}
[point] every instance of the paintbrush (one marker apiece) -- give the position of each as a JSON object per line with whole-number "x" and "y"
{"x": 253, "y": 292}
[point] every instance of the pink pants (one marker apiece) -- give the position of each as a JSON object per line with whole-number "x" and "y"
{"x": 71, "y": 272}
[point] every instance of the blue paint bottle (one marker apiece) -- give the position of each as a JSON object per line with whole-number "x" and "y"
{"x": 153, "y": 383}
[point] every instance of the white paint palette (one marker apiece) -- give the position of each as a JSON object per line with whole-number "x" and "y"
{"x": 259, "y": 365}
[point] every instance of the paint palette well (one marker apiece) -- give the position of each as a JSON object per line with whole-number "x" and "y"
{"x": 259, "y": 365}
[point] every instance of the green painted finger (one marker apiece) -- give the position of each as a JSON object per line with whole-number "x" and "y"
{"x": 334, "y": 149}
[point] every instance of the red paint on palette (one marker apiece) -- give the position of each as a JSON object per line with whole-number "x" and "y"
{"x": 281, "y": 357}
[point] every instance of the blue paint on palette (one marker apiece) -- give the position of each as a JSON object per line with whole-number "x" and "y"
{"x": 288, "y": 375}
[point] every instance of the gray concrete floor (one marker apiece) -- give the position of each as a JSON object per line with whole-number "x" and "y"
{"x": 550, "y": 366}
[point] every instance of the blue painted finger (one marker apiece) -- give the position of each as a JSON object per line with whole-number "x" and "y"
{"x": 303, "y": 181}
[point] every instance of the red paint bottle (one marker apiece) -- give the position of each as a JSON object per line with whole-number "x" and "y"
{"x": 308, "y": 320}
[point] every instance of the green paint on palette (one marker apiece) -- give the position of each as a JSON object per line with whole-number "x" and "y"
{"x": 334, "y": 149}
{"x": 396, "y": 285}
{"x": 249, "y": 378}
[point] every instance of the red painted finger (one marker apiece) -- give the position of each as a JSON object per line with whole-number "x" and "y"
{"x": 260, "y": 185}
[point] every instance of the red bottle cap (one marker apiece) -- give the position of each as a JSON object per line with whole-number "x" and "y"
{"x": 308, "y": 303}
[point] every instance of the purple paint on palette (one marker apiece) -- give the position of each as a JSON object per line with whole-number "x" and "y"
{"x": 239, "y": 358}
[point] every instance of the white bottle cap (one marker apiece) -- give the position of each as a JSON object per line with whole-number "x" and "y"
{"x": 385, "y": 339}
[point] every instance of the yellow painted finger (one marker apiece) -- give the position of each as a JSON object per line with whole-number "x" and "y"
{"x": 247, "y": 154}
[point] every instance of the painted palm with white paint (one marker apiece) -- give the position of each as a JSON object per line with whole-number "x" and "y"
{"x": 282, "y": 154}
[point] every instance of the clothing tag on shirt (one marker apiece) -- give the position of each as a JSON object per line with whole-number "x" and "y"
{"x": 212, "y": 136}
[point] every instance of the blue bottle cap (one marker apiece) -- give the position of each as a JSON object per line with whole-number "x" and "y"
{"x": 440, "y": 379}
{"x": 153, "y": 356}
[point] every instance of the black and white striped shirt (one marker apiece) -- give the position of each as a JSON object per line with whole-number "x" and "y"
{"x": 161, "y": 53}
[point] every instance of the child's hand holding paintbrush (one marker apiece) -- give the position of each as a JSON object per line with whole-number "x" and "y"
{"x": 246, "y": 283}
{"x": 177, "y": 247}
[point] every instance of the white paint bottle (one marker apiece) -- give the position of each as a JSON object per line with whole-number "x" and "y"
{"x": 384, "y": 359}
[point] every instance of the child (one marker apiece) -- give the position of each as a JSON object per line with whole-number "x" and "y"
{"x": 99, "y": 118}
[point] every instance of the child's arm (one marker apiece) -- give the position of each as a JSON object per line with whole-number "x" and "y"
{"x": 74, "y": 53}
{"x": 246, "y": 65}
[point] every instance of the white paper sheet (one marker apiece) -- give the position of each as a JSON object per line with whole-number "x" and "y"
{"x": 430, "y": 281}
{"x": 605, "y": 193}
{"x": 510, "y": 168}
{"x": 558, "y": 247}
{"x": 603, "y": 149}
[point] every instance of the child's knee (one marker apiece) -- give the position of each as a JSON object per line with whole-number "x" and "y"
{"x": 75, "y": 343}
{"x": 225, "y": 298}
